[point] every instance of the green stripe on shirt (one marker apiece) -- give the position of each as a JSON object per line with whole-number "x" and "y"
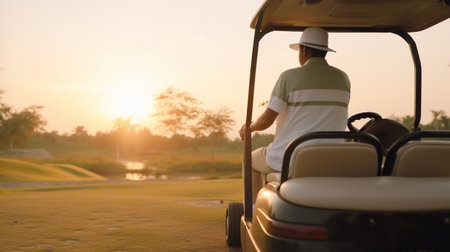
{"x": 318, "y": 103}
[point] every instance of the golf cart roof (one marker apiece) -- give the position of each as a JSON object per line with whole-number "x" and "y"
{"x": 407, "y": 15}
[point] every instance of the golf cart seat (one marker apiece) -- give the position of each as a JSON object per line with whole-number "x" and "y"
{"x": 335, "y": 159}
{"x": 332, "y": 159}
{"x": 412, "y": 156}
{"x": 423, "y": 159}
{"x": 325, "y": 176}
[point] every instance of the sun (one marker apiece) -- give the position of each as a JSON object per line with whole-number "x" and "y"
{"x": 131, "y": 101}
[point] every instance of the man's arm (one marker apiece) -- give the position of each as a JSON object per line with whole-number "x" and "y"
{"x": 264, "y": 121}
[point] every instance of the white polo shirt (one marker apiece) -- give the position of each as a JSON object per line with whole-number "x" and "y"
{"x": 313, "y": 97}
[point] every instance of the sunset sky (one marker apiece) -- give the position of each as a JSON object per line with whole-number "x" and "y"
{"x": 91, "y": 61}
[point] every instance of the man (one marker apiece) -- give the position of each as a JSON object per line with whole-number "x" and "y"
{"x": 313, "y": 97}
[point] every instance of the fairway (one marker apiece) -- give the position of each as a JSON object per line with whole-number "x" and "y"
{"x": 126, "y": 216}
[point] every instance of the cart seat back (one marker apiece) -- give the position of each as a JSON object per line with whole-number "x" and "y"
{"x": 423, "y": 159}
{"x": 335, "y": 159}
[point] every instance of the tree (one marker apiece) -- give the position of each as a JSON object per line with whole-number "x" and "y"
{"x": 440, "y": 120}
{"x": 4, "y": 109}
{"x": 215, "y": 124}
{"x": 408, "y": 121}
{"x": 18, "y": 127}
{"x": 80, "y": 133}
{"x": 176, "y": 110}
{"x": 123, "y": 132}
{"x": 261, "y": 139}
{"x": 51, "y": 136}
{"x": 218, "y": 121}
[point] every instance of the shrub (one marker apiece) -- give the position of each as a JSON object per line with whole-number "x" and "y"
{"x": 104, "y": 167}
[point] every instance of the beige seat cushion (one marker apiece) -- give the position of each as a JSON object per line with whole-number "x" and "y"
{"x": 423, "y": 159}
{"x": 344, "y": 159}
{"x": 369, "y": 193}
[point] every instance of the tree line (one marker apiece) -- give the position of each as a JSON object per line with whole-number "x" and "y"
{"x": 440, "y": 121}
{"x": 179, "y": 115}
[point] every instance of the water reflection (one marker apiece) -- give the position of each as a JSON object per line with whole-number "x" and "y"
{"x": 135, "y": 174}
{"x": 134, "y": 165}
{"x": 138, "y": 176}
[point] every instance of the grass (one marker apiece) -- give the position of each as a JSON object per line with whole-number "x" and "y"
{"x": 116, "y": 216}
{"x": 13, "y": 170}
{"x": 105, "y": 167}
{"x": 202, "y": 163}
{"x": 151, "y": 216}
{"x": 224, "y": 165}
{"x": 66, "y": 147}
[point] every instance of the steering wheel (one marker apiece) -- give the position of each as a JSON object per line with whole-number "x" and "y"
{"x": 372, "y": 115}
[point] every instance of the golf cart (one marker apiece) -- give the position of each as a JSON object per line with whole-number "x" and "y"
{"x": 382, "y": 189}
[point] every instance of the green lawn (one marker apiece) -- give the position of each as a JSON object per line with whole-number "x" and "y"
{"x": 150, "y": 216}
{"x": 14, "y": 170}
{"x": 65, "y": 147}
{"x": 114, "y": 216}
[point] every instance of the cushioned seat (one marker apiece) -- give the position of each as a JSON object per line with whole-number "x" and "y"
{"x": 331, "y": 159}
{"x": 379, "y": 193}
{"x": 423, "y": 159}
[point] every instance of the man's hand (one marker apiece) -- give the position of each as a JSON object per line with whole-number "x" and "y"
{"x": 242, "y": 132}
{"x": 264, "y": 121}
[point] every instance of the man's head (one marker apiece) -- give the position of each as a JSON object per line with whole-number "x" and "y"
{"x": 313, "y": 43}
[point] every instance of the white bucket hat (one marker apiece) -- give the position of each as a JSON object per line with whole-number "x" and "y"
{"x": 314, "y": 37}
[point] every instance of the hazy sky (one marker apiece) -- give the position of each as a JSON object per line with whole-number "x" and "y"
{"x": 90, "y": 61}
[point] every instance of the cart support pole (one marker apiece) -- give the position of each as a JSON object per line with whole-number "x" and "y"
{"x": 248, "y": 206}
{"x": 418, "y": 77}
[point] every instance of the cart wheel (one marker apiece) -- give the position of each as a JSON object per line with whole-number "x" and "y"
{"x": 232, "y": 224}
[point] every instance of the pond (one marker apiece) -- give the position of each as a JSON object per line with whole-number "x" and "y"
{"x": 135, "y": 173}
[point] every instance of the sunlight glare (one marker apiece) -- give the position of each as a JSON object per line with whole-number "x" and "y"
{"x": 130, "y": 100}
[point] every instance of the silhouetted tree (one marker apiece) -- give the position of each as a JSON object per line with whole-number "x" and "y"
{"x": 4, "y": 109}
{"x": 408, "y": 121}
{"x": 51, "y": 136}
{"x": 176, "y": 110}
{"x": 440, "y": 120}
{"x": 20, "y": 126}
{"x": 123, "y": 134}
{"x": 80, "y": 134}
{"x": 215, "y": 124}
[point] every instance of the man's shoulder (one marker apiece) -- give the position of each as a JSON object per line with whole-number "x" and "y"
{"x": 292, "y": 71}
{"x": 337, "y": 69}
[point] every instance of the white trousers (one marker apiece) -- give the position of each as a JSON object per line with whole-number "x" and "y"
{"x": 259, "y": 170}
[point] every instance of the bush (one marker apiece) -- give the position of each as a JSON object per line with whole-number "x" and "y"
{"x": 205, "y": 169}
{"x": 104, "y": 167}
{"x": 109, "y": 169}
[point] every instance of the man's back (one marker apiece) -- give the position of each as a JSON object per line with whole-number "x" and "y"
{"x": 314, "y": 97}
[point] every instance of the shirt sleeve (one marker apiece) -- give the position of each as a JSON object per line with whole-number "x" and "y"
{"x": 278, "y": 99}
